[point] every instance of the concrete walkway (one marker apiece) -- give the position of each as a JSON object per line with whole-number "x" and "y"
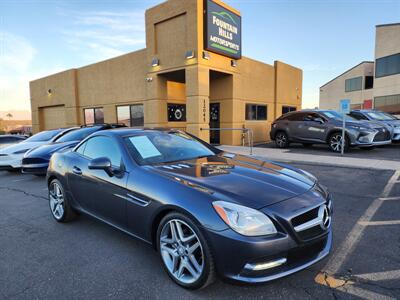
{"x": 283, "y": 155}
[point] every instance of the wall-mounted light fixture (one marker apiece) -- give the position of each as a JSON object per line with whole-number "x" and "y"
{"x": 155, "y": 62}
{"x": 206, "y": 55}
{"x": 49, "y": 92}
{"x": 189, "y": 54}
{"x": 233, "y": 63}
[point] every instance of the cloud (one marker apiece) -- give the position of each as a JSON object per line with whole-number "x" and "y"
{"x": 105, "y": 34}
{"x": 16, "y": 57}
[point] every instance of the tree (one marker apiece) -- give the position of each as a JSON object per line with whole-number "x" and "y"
{"x": 9, "y": 116}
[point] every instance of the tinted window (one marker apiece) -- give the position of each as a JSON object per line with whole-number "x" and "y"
{"x": 331, "y": 114}
{"x": 78, "y": 134}
{"x": 353, "y": 84}
{"x": 358, "y": 116}
{"x": 286, "y": 109}
{"x": 295, "y": 117}
{"x": 101, "y": 146}
{"x": 311, "y": 117}
{"x": 160, "y": 147}
{"x": 94, "y": 115}
{"x": 388, "y": 65}
{"x": 44, "y": 136}
{"x": 131, "y": 115}
{"x": 256, "y": 112}
{"x": 389, "y": 103}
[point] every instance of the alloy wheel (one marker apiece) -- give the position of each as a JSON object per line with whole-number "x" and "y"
{"x": 56, "y": 196}
{"x": 336, "y": 143}
{"x": 281, "y": 140}
{"x": 181, "y": 251}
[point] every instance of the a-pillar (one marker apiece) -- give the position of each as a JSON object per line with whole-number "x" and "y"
{"x": 198, "y": 101}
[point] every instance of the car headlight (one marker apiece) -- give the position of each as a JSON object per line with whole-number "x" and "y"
{"x": 244, "y": 220}
{"x": 21, "y": 151}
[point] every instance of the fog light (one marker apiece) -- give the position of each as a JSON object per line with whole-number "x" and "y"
{"x": 266, "y": 265}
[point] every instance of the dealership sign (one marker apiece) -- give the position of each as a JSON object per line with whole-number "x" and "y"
{"x": 223, "y": 30}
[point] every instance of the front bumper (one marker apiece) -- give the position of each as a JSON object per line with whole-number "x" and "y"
{"x": 36, "y": 169}
{"x": 371, "y": 138}
{"x": 10, "y": 162}
{"x": 233, "y": 253}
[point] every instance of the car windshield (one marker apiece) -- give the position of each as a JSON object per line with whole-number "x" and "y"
{"x": 44, "y": 136}
{"x": 162, "y": 147}
{"x": 332, "y": 114}
{"x": 78, "y": 134}
{"x": 380, "y": 116}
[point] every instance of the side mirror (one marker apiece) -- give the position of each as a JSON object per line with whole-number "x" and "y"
{"x": 102, "y": 163}
{"x": 319, "y": 120}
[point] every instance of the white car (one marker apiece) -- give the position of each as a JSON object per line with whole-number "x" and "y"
{"x": 11, "y": 156}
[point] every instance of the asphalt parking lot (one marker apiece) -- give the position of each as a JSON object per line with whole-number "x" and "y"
{"x": 388, "y": 152}
{"x": 40, "y": 258}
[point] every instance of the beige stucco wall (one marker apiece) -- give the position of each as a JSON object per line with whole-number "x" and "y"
{"x": 387, "y": 43}
{"x": 172, "y": 28}
{"x": 331, "y": 93}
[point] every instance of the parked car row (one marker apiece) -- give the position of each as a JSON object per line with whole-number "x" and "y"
{"x": 205, "y": 211}
{"x": 363, "y": 129}
{"x": 32, "y": 155}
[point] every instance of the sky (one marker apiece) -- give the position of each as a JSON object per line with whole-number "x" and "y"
{"x": 323, "y": 38}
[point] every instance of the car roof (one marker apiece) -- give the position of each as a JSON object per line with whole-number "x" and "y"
{"x": 132, "y": 131}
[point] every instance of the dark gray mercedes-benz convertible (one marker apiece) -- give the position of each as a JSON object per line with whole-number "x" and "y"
{"x": 205, "y": 211}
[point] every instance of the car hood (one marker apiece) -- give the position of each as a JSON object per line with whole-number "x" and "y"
{"x": 241, "y": 179}
{"x": 393, "y": 123}
{"x": 47, "y": 150}
{"x": 21, "y": 146}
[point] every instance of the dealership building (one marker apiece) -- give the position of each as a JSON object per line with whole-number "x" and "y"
{"x": 190, "y": 76}
{"x": 370, "y": 84}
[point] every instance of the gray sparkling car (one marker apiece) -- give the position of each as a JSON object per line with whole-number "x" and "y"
{"x": 379, "y": 116}
{"x": 325, "y": 127}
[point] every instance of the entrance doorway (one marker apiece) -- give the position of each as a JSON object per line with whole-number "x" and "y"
{"x": 214, "y": 123}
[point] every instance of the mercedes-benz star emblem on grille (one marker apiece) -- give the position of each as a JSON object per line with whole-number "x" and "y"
{"x": 325, "y": 216}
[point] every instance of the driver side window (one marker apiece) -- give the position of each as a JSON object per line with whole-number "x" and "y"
{"x": 102, "y": 146}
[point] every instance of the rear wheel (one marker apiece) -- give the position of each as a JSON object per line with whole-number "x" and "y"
{"x": 59, "y": 204}
{"x": 335, "y": 142}
{"x": 281, "y": 140}
{"x": 184, "y": 252}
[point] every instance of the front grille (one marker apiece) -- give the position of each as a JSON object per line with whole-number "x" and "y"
{"x": 382, "y": 136}
{"x": 303, "y": 218}
{"x": 314, "y": 228}
{"x": 33, "y": 160}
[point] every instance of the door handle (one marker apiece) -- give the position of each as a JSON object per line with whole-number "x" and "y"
{"x": 76, "y": 171}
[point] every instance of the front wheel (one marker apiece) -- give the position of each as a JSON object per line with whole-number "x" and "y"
{"x": 281, "y": 140}
{"x": 59, "y": 204}
{"x": 335, "y": 142}
{"x": 184, "y": 252}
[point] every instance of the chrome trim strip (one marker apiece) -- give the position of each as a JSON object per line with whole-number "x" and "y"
{"x": 133, "y": 199}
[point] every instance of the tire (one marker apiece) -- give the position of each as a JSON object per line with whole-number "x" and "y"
{"x": 305, "y": 145}
{"x": 175, "y": 253}
{"x": 60, "y": 207}
{"x": 281, "y": 140}
{"x": 334, "y": 142}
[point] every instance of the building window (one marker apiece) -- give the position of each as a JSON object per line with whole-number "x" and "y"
{"x": 390, "y": 104}
{"x": 287, "y": 109}
{"x": 256, "y": 112}
{"x": 353, "y": 84}
{"x": 94, "y": 115}
{"x": 131, "y": 115}
{"x": 176, "y": 112}
{"x": 369, "y": 82}
{"x": 388, "y": 65}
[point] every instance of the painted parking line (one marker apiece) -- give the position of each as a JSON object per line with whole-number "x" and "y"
{"x": 326, "y": 276}
{"x": 18, "y": 180}
{"x": 380, "y": 223}
{"x": 379, "y": 276}
{"x": 389, "y": 198}
{"x": 336, "y": 261}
